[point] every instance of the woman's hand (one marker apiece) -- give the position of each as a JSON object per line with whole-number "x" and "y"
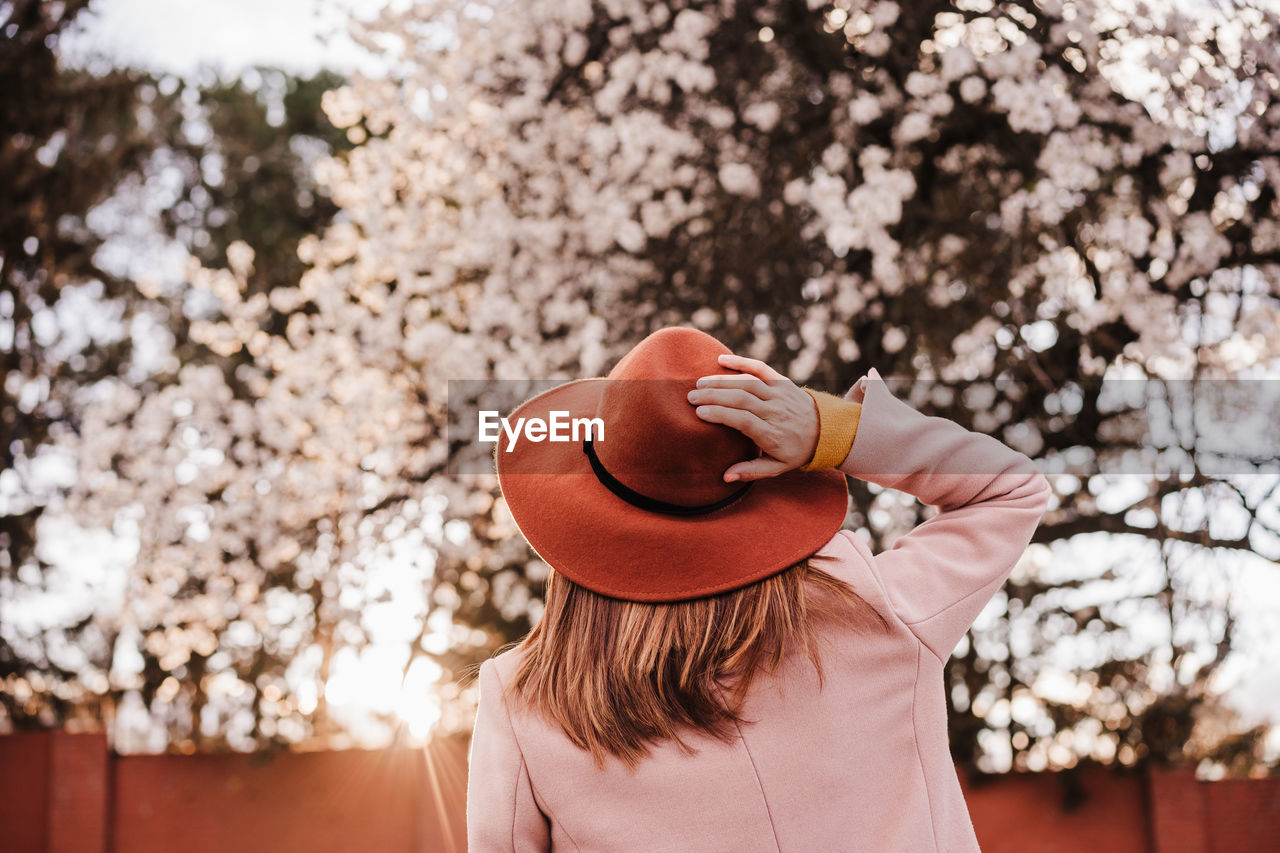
{"x": 767, "y": 407}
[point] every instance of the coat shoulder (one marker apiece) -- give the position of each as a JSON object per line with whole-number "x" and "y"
{"x": 505, "y": 664}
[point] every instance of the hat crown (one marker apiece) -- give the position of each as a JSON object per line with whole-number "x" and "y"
{"x": 654, "y": 442}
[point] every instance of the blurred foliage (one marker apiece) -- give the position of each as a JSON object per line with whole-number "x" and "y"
{"x": 988, "y": 300}
{"x": 84, "y": 158}
{"x": 757, "y": 274}
{"x": 67, "y": 140}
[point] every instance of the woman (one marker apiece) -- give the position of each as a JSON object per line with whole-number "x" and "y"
{"x": 719, "y": 666}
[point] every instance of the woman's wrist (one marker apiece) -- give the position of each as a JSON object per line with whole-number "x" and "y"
{"x": 837, "y": 426}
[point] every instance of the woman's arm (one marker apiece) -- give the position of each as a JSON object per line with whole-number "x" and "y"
{"x": 501, "y": 812}
{"x": 990, "y": 497}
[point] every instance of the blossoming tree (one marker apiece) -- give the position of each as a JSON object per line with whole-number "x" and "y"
{"x": 1010, "y": 199}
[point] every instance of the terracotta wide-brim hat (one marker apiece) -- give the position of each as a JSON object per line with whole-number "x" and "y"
{"x": 634, "y": 506}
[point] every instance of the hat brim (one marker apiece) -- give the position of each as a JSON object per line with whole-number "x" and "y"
{"x": 596, "y": 539}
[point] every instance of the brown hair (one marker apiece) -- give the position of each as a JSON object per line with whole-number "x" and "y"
{"x": 618, "y": 676}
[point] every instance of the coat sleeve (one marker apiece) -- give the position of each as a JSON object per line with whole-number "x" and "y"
{"x": 990, "y": 498}
{"x": 501, "y": 812}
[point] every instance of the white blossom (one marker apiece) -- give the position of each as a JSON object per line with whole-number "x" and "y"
{"x": 763, "y": 114}
{"x": 876, "y": 43}
{"x": 957, "y": 62}
{"x": 864, "y": 108}
{"x": 972, "y": 89}
{"x": 503, "y": 233}
{"x": 739, "y": 179}
{"x": 884, "y": 13}
{"x": 921, "y": 84}
{"x": 914, "y": 126}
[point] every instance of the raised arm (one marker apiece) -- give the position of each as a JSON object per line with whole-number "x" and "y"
{"x": 990, "y": 497}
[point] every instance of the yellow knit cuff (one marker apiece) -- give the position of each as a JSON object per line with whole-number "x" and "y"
{"x": 837, "y": 426}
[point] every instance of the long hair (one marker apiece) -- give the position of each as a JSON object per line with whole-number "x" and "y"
{"x": 619, "y": 676}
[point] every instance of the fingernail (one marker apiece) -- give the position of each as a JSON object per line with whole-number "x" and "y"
{"x": 730, "y": 478}
{"x": 693, "y": 396}
{"x": 701, "y": 383}
{"x": 701, "y": 410}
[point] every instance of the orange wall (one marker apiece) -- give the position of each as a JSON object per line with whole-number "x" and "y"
{"x": 1035, "y": 812}
{"x": 24, "y": 790}
{"x": 1242, "y": 815}
{"x": 290, "y": 803}
{"x": 65, "y": 793}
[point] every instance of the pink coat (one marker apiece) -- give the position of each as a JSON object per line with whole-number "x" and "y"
{"x": 861, "y": 764}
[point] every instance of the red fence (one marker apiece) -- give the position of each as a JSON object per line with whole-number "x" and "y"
{"x": 66, "y": 793}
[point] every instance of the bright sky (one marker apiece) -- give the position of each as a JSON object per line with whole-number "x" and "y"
{"x": 302, "y": 36}
{"x": 183, "y": 36}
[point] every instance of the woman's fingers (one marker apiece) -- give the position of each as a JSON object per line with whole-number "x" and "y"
{"x": 753, "y": 366}
{"x": 767, "y": 407}
{"x": 745, "y": 381}
{"x": 740, "y": 419}
{"x": 755, "y": 469}
{"x": 733, "y": 398}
